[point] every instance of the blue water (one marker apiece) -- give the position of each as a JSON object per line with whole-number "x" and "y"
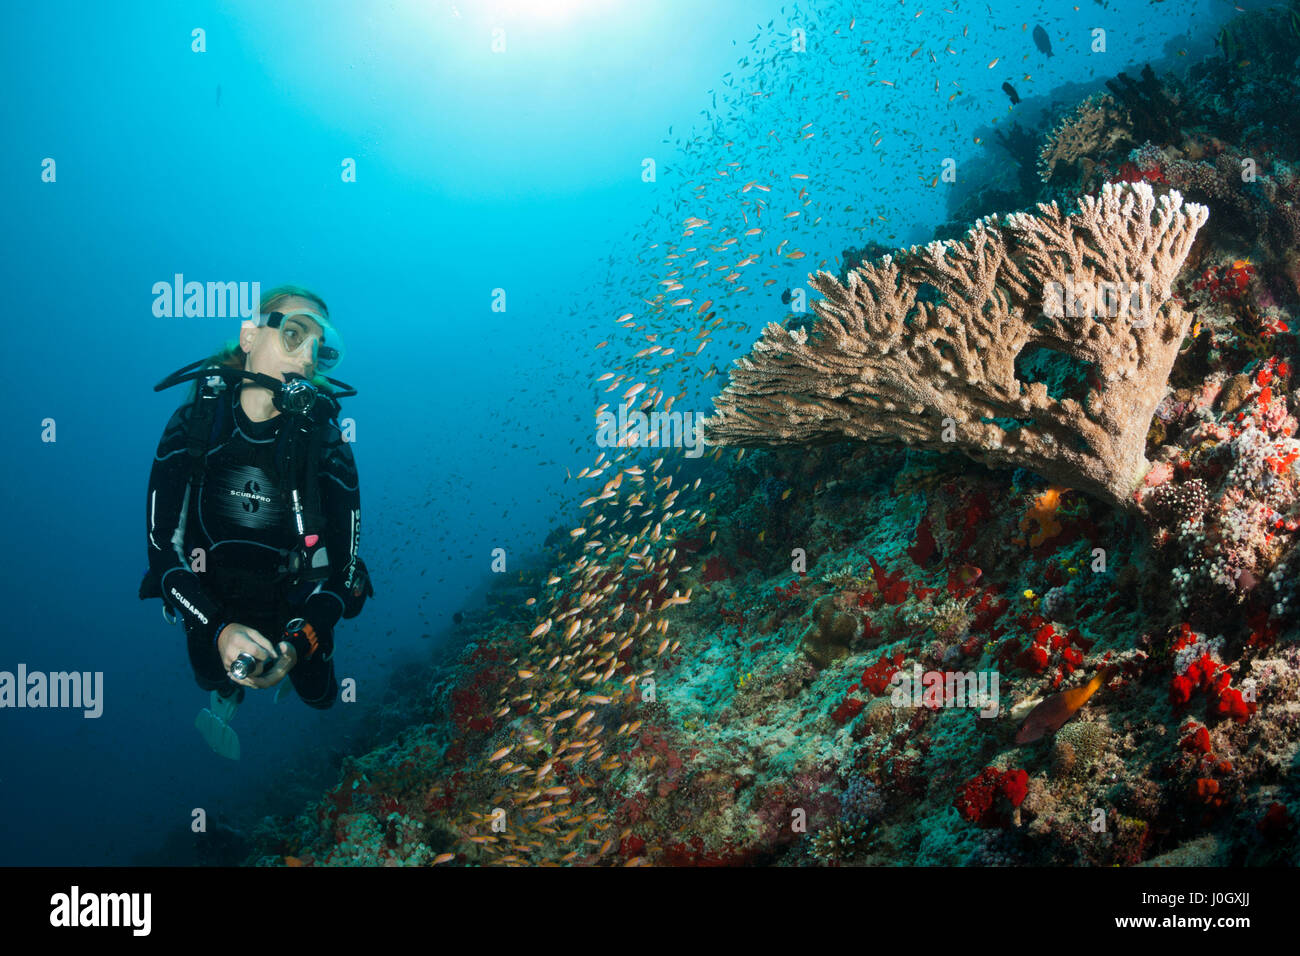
{"x": 476, "y": 170}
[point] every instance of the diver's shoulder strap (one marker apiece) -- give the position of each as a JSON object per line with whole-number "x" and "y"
{"x": 205, "y": 419}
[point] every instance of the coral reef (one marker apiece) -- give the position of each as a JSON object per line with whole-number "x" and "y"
{"x": 923, "y": 349}
{"x": 1097, "y": 126}
{"x": 737, "y": 687}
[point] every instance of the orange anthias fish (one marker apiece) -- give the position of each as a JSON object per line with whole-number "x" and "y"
{"x": 1049, "y": 716}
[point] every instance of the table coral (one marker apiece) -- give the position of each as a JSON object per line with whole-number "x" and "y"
{"x": 921, "y": 347}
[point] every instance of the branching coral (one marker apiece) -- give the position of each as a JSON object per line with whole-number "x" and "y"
{"x": 948, "y": 618}
{"x": 1096, "y": 127}
{"x": 923, "y": 348}
{"x": 847, "y": 577}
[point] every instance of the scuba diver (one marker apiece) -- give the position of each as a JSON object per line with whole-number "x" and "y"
{"x": 254, "y": 514}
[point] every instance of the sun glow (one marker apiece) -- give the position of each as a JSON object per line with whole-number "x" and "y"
{"x": 525, "y": 11}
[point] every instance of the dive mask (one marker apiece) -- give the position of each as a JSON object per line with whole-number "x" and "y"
{"x": 302, "y": 328}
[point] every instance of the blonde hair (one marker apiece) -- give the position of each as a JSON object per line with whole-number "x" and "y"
{"x": 232, "y": 355}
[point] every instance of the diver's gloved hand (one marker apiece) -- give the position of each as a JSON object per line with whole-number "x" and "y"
{"x": 309, "y": 640}
{"x": 273, "y": 663}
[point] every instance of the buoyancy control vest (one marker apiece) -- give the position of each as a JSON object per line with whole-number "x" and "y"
{"x": 308, "y": 413}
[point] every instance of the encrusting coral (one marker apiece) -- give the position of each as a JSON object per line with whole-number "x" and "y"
{"x": 923, "y": 347}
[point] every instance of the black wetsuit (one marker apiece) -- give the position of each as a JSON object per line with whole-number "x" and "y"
{"x": 242, "y": 523}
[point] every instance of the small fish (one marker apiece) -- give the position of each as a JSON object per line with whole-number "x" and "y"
{"x": 1010, "y": 90}
{"x": 1041, "y": 41}
{"x": 1049, "y": 716}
